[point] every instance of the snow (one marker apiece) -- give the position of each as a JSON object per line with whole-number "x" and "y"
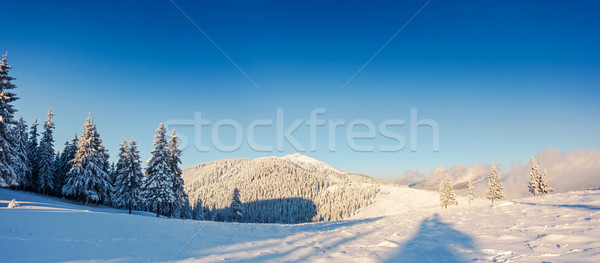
{"x": 403, "y": 225}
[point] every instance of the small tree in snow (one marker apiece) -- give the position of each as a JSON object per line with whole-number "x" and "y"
{"x": 495, "y": 189}
{"x": 447, "y": 195}
{"x": 535, "y": 178}
{"x": 46, "y": 157}
{"x": 472, "y": 194}
{"x": 198, "y": 211}
{"x": 236, "y": 206}
{"x": 544, "y": 186}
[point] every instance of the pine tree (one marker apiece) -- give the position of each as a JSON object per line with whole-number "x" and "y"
{"x": 198, "y": 211}
{"x": 8, "y": 176}
{"x": 495, "y": 189}
{"x": 64, "y": 163}
{"x": 472, "y": 194}
{"x": 174, "y": 156}
{"x": 534, "y": 182}
{"x": 88, "y": 178}
{"x": 237, "y": 209}
{"x": 129, "y": 177}
{"x": 544, "y": 186}
{"x": 447, "y": 195}
{"x": 20, "y": 158}
{"x": 46, "y": 157}
{"x": 32, "y": 153}
{"x": 158, "y": 183}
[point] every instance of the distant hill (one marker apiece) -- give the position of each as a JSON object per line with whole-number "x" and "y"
{"x": 289, "y": 189}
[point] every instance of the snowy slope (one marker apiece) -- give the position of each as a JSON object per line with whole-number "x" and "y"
{"x": 403, "y": 225}
{"x": 300, "y": 188}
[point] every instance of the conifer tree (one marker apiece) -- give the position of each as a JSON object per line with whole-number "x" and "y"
{"x": 20, "y": 158}
{"x": 535, "y": 177}
{"x": 447, "y": 195}
{"x": 198, "y": 211}
{"x": 88, "y": 178}
{"x": 63, "y": 164}
{"x": 495, "y": 189}
{"x": 236, "y": 206}
{"x": 46, "y": 157}
{"x": 158, "y": 183}
{"x": 544, "y": 186}
{"x": 174, "y": 157}
{"x": 32, "y": 153}
{"x": 129, "y": 177}
{"x": 472, "y": 194}
{"x": 8, "y": 176}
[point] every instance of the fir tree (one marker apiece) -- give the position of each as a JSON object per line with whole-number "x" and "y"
{"x": 447, "y": 195}
{"x": 174, "y": 157}
{"x": 46, "y": 157}
{"x": 198, "y": 211}
{"x": 20, "y": 158}
{"x": 544, "y": 186}
{"x": 88, "y": 178}
{"x": 32, "y": 153}
{"x": 7, "y": 111}
{"x": 63, "y": 164}
{"x": 237, "y": 209}
{"x": 534, "y": 182}
{"x": 129, "y": 177}
{"x": 495, "y": 189}
{"x": 158, "y": 183}
{"x": 472, "y": 194}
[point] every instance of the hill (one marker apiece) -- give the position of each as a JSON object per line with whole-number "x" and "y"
{"x": 289, "y": 189}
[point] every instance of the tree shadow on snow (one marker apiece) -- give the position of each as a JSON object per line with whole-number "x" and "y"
{"x": 436, "y": 242}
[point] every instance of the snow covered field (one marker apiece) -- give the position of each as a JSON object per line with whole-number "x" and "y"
{"x": 404, "y": 225}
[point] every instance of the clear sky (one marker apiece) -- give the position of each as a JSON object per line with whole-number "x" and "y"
{"x": 503, "y": 79}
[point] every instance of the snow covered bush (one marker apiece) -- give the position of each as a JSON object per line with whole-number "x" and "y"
{"x": 13, "y": 204}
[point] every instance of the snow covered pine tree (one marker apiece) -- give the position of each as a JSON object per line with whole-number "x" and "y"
{"x": 158, "y": 183}
{"x": 181, "y": 205}
{"x": 21, "y": 157}
{"x": 89, "y": 179}
{"x": 495, "y": 189}
{"x": 544, "y": 186}
{"x": 46, "y": 157}
{"x": 534, "y": 181}
{"x": 129, "y": 177}
{"x": 472, "y": 194}
{"x": 7, "y": 111}
{"x": 237, "y": 211}
{"x": 32, "y": 153}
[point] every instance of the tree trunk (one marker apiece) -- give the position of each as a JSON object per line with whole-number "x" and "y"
{"x": 157, "y": 209}
{"x": 170, "y": 210}
{"x": 130, "y": 207}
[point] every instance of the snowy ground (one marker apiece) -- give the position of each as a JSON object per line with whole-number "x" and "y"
{"x": 404, "y": 225}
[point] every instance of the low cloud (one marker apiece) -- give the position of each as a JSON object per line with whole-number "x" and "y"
{"x": 577, "y": 170}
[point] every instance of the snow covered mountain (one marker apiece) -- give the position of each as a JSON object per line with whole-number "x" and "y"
{"x": 289, "y": 189}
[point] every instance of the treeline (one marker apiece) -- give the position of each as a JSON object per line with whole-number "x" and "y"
{"x": 82, "y": 171}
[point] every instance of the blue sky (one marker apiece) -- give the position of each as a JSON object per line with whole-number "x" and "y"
{"x": 504, "y": 80}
